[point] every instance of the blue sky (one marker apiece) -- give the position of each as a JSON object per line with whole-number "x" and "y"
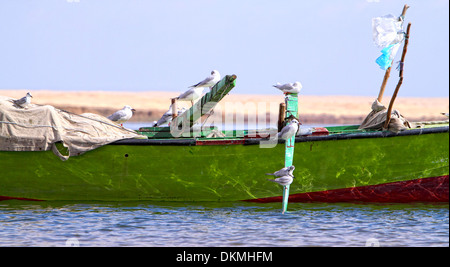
{"x": 143, "y": 45}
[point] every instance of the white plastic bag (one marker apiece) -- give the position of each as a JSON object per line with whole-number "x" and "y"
{"x": 387, "y": 30}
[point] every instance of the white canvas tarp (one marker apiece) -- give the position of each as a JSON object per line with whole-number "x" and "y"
{"x": 377, "y": 117}
{"x": 39, "y": 127}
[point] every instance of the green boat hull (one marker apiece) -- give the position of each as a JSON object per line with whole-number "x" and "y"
{"x": 234, "y": 169}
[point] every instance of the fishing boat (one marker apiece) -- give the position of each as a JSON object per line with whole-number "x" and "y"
{"x": 333, "y": 164}
{"x": 178, "y": 163}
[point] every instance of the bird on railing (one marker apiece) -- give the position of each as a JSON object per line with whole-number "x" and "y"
{"x": 191, "y": 95}
{"x": 209, "y": 81}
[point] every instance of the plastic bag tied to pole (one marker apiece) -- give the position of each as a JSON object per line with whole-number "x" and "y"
{"x": 387, "y": 55}
{"x": 387, "y": 34}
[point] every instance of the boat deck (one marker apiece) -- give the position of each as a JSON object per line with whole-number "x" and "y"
{"x": 161, "y": 135}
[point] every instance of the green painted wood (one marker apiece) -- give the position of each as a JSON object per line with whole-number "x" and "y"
{"x": 164, "y": 132}
{"x": 291, "y": 109}
{"x": 187, "y": 119}
{"x": 219, "y": 172}
{"x": 182, "y": 125}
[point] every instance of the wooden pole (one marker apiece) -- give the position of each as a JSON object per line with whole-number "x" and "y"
{"x": 281, "y": 114}
{"x": 405, "y": 7}
{"x": 291, "y": 109}
{"x": 285, "y": 198}
{"x": 174, "y": 108}
{"x": 383, "y": 85}
{"x": 388, "y": 71}
{"x": 397, "y": 88}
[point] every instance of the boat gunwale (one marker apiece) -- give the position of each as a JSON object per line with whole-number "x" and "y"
{"x": 256, "y": 141}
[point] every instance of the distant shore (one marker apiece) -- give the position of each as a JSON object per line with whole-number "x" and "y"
{"x": 313, "y": 109}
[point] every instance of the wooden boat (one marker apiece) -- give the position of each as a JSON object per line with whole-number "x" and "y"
{"x": 333, "y": 164}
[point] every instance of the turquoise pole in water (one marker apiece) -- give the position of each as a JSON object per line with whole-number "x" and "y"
{"x": 291, "y": 109}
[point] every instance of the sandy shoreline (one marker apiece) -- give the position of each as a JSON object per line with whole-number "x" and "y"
{"x": 313, "y": 109}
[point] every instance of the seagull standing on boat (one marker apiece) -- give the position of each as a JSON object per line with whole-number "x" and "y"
{"x": 191, "y": 95}
{"x": 289, "y": 130}
{"x": 284, "y": 171}
{"x": 208, "y": 81}
{"x": 283, "y": 180}
{"x": 122, "y": 115}
{"x": 167, "y": 117}
{"x": 24, "y": 101}
{"x": 293, "y": 88}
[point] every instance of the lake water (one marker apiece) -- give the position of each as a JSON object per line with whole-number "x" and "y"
{"x": 210, "y": 224}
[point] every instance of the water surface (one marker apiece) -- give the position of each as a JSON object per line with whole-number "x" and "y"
{"x": 221, "y": 224}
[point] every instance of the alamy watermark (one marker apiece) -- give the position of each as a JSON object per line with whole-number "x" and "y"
{"x": 260, "y": 120}
{"x": 372, "y": 242}
{"x": 72, "y": 242}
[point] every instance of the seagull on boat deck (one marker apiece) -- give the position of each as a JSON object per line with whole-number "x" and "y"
{"x": 208, "y": 81}
{"x": 191, "y": 95}
{"x": 284, "y": 171}
{"x": 293, "y": 88}
{"x": 167, "y": 117}
{"x": 122, "y": 115}
{"x": 283, "y": 180}
{"x": 24, "y": 101}
{"x": 289, "y": 130}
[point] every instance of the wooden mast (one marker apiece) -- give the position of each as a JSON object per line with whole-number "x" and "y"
{"x": 388, "y": 71}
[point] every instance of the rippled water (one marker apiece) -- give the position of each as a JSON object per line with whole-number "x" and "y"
{"x": 221, "y": 224}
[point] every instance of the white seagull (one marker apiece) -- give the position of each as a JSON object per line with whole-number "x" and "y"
{"x": 283, "y": 180}
{"x": 289, "y": 130}
{"x": 293, "y": 88}
{"x": 191, "y": 95}
{"x": 122, "y": 115}
{"x": 24, "y": 101}
{"x": 284, "y": 171}
{"x": 167, "y": 117}
{"x": 208, "y": 81}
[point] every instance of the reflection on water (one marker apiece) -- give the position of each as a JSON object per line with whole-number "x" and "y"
{"x": 221, "y": 224}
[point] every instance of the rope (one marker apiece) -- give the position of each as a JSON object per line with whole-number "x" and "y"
{"x": 431, "y": 122}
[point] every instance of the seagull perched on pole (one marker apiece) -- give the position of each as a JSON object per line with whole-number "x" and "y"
{"x": 122, "y": 115}
{"x": 289, "y": 130}
{"x": 24, "y": 101}
{"x": 292, "y": 88}
{"x": 284, "y": 171}
{"x": 283, "y": 180}
{"x": 208, "y": 81}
